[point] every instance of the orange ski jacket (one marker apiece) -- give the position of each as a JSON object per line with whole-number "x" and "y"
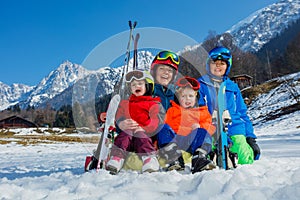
{"x": 181, "y": 119}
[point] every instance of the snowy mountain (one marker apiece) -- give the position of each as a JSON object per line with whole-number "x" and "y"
{"x": 282, "y": 99}
{"x": 96, "y": 83}
{"x": 259, "y": 28}
{"x": 57, "y": 87}
{"x": 55, "y": 83}
{"x": 250, "y": 35}
{"x": 10, "y": 95}
{"x": 144, "y": 60}
{"x": 99, "y": 83}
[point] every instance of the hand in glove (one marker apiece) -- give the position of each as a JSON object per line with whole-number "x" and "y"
{"x": 242, "y": 149}
{"x": 254, "y": 146}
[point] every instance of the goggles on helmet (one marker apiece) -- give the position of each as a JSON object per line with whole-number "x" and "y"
{"x": 137, "y": 75}
{"x": 220, "y": 53}
{"x": 188, "y": 82}
{"x": 164, "y": 55}
{"x": 220, "y": 56}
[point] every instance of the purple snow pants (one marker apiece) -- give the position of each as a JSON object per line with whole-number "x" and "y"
{"x": 138, "y": 142}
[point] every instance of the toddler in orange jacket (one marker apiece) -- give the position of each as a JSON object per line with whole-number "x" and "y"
{"x": 191, "y": 127}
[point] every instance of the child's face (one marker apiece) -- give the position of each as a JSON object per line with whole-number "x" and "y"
{"x": 218, "y": 67}
{"x": 138, "y": 88}
{"x": 164, "y": 74}
{"x": 187, "y": 98}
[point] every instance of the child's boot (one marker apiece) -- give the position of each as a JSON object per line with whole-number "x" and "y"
{"x": 200, "y": 162}
{"x": 115, "y": 164}
{"x": 150, "y": 164}
{"x": 174, "y": 157}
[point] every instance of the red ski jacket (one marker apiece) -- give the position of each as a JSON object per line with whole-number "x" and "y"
{"x": 147, "y": 111}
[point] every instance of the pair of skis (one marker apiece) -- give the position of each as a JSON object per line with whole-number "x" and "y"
{"x": 127, "y": 56}
{"x": 101, "y": 154}
{"x": 223, "y": 119}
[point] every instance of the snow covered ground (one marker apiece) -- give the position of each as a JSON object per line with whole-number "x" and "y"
{"x": 55, "y": 171}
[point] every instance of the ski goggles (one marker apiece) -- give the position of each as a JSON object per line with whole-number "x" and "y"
{"x": 137, "y": 75}
{"x": 164, "y": 55}
{"x": 220, "y": 56}
{"x": 188, "y": 82}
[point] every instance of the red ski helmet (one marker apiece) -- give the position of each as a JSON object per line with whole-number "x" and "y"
{"x": 165, "y": 58}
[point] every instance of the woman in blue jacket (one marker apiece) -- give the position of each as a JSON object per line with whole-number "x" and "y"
{"x": 240, "y": 130}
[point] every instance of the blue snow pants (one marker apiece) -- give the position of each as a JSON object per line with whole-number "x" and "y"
{"x": 188, "y": 143}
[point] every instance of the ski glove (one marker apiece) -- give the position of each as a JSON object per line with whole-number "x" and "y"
{"x": 254, "y": 146}
{"x": 242, "y": 148}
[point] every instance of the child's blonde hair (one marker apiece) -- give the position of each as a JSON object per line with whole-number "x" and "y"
{"x": 179, "y": 90}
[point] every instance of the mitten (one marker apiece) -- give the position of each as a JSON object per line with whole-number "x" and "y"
{"x": 254, "y": 146}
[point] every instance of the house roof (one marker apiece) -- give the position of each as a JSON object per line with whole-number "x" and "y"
{"x": 242, "y": 75}
{"x": 17, "y": 117}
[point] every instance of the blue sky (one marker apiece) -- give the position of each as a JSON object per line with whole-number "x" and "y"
{"x": 38, "y": 35}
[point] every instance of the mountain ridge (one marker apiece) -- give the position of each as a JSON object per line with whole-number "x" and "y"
{"x": 263, "y": 25}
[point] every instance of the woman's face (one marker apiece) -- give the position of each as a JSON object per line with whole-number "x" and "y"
{"x": 187, "y": 98}
{"x": 218, "y": 67}
{"x": 138, "y": 88}
{"x": 164, "y": 74}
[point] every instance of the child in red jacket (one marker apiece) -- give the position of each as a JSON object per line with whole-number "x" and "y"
{"x": 191, "y": 126}
{"x": 138, "y": 117}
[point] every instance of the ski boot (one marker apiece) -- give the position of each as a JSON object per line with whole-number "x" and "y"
{"x": 150, "y": 164}
{"x": 200, "y": 162}
{"x": 114, "y": 165}
{"x": 173, "y": 157}
{"x": 90, "y": 163}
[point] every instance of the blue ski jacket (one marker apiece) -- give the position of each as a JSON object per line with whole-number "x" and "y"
{"x": 165, "y": 94}
{"x": 241, "y": 124}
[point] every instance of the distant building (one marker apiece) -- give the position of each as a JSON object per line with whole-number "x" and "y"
{"x": 16, "y": 122}
{"x": 243, "y": 80}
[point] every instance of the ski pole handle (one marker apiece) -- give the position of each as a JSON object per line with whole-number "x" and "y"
{"x": 134, "y": 24}
{"x": 130, "y": 24}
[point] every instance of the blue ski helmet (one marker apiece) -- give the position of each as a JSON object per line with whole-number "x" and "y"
{"x": 221, "y": 53}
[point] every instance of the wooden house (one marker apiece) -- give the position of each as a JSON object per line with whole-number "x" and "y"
{"x": 243, "y": 80}
{"x": 16, "y": 122}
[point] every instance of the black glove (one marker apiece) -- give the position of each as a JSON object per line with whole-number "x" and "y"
{"x": 254, "y": 146}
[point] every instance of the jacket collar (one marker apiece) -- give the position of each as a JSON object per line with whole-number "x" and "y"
{"x": 134, "y": 98}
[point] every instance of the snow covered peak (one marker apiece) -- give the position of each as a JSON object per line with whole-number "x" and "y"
{"x": 263, "y": 25}
{"x": 144, "y": 59}
{"x": 13, "y": 93}
{"x": 61, "y": 78}
{"x": 65, "y": 76}
{"x": 56, "y": 82}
